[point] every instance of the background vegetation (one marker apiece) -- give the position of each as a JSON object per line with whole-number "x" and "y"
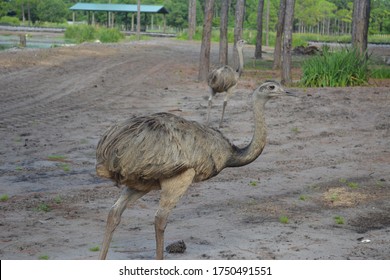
{"x": 311, "y": 16}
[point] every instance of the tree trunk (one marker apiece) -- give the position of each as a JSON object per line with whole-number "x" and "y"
{"x": 360, "y": 19}
{"x": 259, "y": 37}
{"x": 204, "y": 62}
{"x": 287, "y": 42}
{"x": 23, "y": 15}
{"x": 267, "y": 26}
{"x": 223, "y": 34}
{"x": 279, "y": 33}
{"x": 191, "y": 19}
{"x": 29, "y": 13}
{"x": 139, "y": 20}
{"x": 240, "y": 9}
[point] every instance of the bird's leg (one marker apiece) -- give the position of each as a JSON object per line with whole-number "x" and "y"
{"x": 114, "y": 217}
{"x": 209, "y": 105}
{"x": 227, "y": 96}
{"x": 172, "y": 189}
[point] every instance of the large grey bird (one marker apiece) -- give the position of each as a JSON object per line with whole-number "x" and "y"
{"x": 225, "y": 79}
{"x": 165, "y": 152}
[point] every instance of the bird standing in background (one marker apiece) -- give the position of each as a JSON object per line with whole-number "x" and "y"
{"x": 224, "y": 79}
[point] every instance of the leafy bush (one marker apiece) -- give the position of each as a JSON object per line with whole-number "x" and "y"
{"x": 80, "y": 33}
{"x": 347, "y": 67}
{"x": 109, "y": 35}
{"x": 85, "y": 33}
{"x": 9, "y": 20}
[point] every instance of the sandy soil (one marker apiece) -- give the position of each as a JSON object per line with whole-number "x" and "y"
{"x": 328, "y": 156}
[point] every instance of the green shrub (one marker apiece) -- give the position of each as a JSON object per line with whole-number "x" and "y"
{"x": 86, "y": 33}
{"x": 381, "y": 73}
{"x": 80, "y": 33}
{"x": 9, "y": 20}
{"x": 347, "y": 67}
{"x": 109, "y": 35}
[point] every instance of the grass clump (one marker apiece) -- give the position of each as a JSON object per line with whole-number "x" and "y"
{"x": 339, "y": 220}
{"x": 4, "y": 197}
{"x": 80, "y": 33}
{"x": 44, "y": 257}
{"x": 56, "y": 157}
{"x": 109, "y": 35}
{"x": 283, "y": 219}
{"x": 43, "y": 207}
{"x": 94, "y": 249}
{"x": 347, "y": 67}
{"x": 253, "y": 183}
{"x": 87, "y": 33}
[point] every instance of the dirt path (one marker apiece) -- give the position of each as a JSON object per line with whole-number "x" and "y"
{"x": 328, "y": 155}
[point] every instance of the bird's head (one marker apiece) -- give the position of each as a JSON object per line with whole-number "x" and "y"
{"x": 240, "y": 43}
{"x": 268, "y": 90}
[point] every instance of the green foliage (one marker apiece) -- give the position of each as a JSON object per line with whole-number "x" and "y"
{"x": 283, "y": 219}
{"x": 52, "y": 10}
{"x": 381, "y": 73}
{"x": 43, "y": 207}
{"x": 43, "y": 257}
{"x": 6, "y": 20}
{"x": 109, "y": 35}
{"x": 347, "y": 67}
{"x": 58, "y": 199}
{"x": 56, "y": 157}
{"x": 87, "y": 33}
{"x": 80, "y": 33}
{"x": 94, "y": 249}
{"x": 339, "y": 220}
{"x": 4, "y": 197}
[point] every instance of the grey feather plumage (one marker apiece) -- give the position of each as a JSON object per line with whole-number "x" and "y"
{"x": 161, "y": 145}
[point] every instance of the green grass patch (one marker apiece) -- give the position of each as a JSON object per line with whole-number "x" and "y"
{"x": 4, "y": 197}
{"x": 65, "y": 167}
{"x": 380, "y": 73}
{"x": 109, "y": 35}
{"x": 253, "y": 183}
{"x": 43, "y": 207}
{"x": 347, "y": 67}
{"x": 94, "y": 249}
{"x": 56, "y": 157}
{"x": 58, "y": 199}
{"x": 303, "y": 197}
{"x": 283, "y": 219}
{"x": 43, "y": 257}
{"x": 87, "y": 33}
{"x": 353, "y": 185}
{"x": 339, "y": 220}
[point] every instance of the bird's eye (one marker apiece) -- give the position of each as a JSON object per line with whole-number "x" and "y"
{"x": 272, "y": 87}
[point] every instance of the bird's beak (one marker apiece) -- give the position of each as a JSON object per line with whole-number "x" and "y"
{"x": 290, "y": 93}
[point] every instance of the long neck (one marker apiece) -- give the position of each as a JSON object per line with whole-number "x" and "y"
{"x": 245, "y": 155}
{"x": 240, "y": 61}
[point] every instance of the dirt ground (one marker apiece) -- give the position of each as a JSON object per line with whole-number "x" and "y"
{"x": 320, "y": 190}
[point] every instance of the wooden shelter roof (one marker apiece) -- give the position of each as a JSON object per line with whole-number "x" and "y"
{"x": 118, "y": 8}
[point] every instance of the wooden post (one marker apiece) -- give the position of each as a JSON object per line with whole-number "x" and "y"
{"x": 23, "y": 41}
{"x": 74, "y": 17}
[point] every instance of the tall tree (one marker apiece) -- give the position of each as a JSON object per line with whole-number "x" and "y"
{"x": 259, "y": 37}
{"x": 287, "y": 42}
{"x": 238, "y": 27}
{"x": 139, "y": 20}
{"x": 279, "y": 33}
{"x": 223, "y": 33}
{"x": 191, "y": 18}
{"x": 361, "y": 15}
{"x": 204, "y": 61}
